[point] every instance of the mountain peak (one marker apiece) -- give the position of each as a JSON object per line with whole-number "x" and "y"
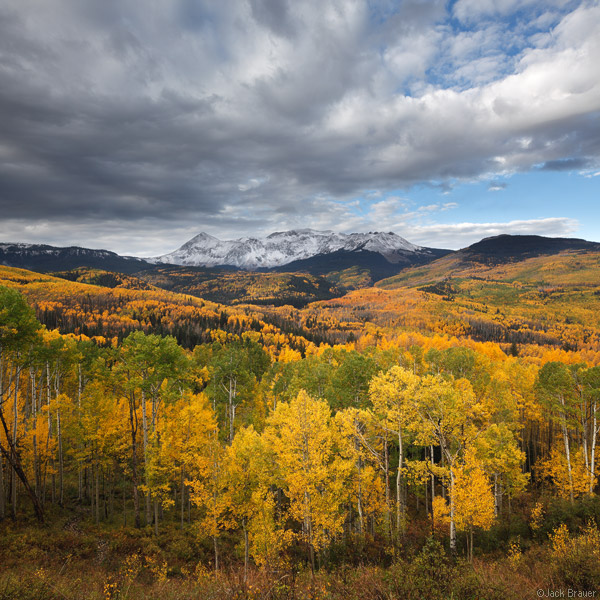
{"x": 202, "y": 237}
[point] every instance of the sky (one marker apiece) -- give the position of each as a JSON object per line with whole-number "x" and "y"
{"x": 133, "y": 126}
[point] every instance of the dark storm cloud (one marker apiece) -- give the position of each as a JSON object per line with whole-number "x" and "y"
{"x": 275, "y": 15}
{"x": 195, "y": 114}
{"x": 566, "y": 164}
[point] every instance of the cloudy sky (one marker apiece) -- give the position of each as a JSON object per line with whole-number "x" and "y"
{"x": 134, "y": 125}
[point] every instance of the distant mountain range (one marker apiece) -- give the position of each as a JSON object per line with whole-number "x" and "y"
{"x": 282, "y": 248}
{"x": 304, "y": 249}
{"x": 376, "y": 255}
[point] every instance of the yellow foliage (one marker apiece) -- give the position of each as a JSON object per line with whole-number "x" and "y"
{"x": 302, "y": 439}
{"x": 564, "y": 545}
{"x": 287, "y": 355}
{"x": 268, "y": 537}
{"x": 515, "y": 555}
{"x": 158, "y": 567}
{"x": 131, "y": 568}
{"x": 537, "y": 516}
{"x": 201, "y": 573}
{"x": 416, "y": 472}
{"x": 560, "y": 540}
{"x": 556, "y": 467}
{"x": 441, "y": 513}
{"x": 473, "y": 498}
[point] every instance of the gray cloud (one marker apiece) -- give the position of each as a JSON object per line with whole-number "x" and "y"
{"x": 566, "y": 164}
{"x": 240, "y": 116}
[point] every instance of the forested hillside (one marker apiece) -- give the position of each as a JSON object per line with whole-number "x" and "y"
{"x": 242, "y": 287}
{"x": 427, "y": 438}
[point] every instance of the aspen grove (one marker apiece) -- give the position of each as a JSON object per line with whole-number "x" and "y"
{"x": 297, "y": 454}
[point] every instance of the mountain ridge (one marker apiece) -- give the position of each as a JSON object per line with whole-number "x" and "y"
{"x": 505, "y": 248}
{"x": 356, "y": 260}
{"x": 45, "y": 258}
{"x": 485, "y": 258}
{"x": 283, "y": 247}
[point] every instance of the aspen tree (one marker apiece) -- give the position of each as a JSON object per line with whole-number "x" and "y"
{"x": 155, "y": 365}
{"x": 391, "y": 394}
{"x": 473, "y": 498}
{"x": 102, "y": 428}
{"x": 207, "y": 486}
{"x": 249, "y": 477}
{"x": 449, "y": 416}
{"x": 556, "y": 387}
{"x": 500, "y": 455}
{"x": 18, "y": 331}
{"x": 301, "y": 437}
{"x": 236, "y": 367}
{"x": 190, "y": 425}
{"x": 362, "y": 446}
{"x": 591, "y": 382}
{"x": 571, "y": 478}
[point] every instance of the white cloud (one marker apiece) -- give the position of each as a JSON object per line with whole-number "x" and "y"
{"x": 384, "y": 209}
{"x": 252, "y": 184}
{"x": 460, "y": 235}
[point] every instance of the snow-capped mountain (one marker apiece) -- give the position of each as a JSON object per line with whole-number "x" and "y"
{"x": 283, "y": 247}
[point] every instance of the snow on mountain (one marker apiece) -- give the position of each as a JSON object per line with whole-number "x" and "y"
{"x": 283, "y": 247}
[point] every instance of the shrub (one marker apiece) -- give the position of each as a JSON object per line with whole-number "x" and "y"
{"x": 576, "y": 559}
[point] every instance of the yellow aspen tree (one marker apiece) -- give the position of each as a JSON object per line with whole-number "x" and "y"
{"x": 207, "y": 486}
{"x": 449, "y": 415}
{"x": 301, "y": 437}
{"x": 102, "y": 428}
{"x": 189, "y": 426}
{"x": 37, "y": 455}
{"x": 59, "y": 354}
{"x": 570, "y": 478}
{"x": 556, "y": 386}
{"x": 391, "y": 394}
{"x": 360, "y": 445}
{"x": 249, "y": 477}
{"x": 473, "y": 498}
{"x": 501, "y": 457}
{"x": 508, "y": 397}
{"x": 268, "y": 537}
{"x": 591, "y": 393}
{"x": 441, "y": 513}
{"x": 154, "y": 366}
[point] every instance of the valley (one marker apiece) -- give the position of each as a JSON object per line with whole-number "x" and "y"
{"x": 450, "y": 410}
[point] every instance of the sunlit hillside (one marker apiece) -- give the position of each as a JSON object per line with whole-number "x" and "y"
{"x": 242, "y": 287}
{"x": 546, "y": 300}
{"x": 107, "y": 313}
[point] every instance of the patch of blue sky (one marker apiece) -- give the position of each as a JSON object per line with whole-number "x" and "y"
{"x": 502, "y": 37}
{"x": 537, "y": 194}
